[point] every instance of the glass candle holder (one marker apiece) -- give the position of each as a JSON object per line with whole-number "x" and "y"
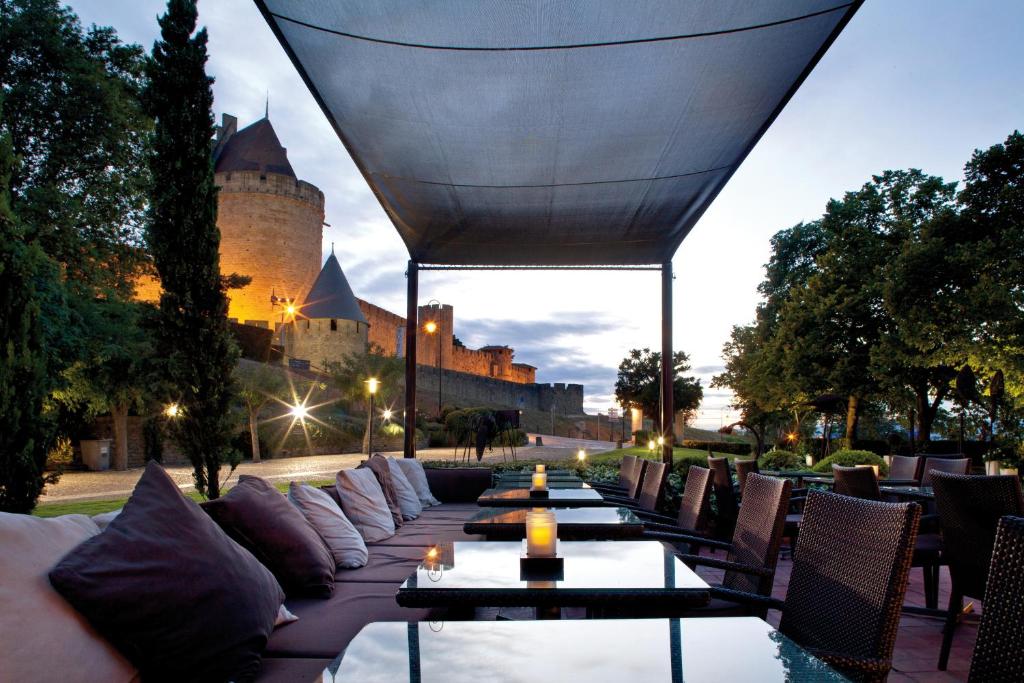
{"x": 541, "y": 533}
{"x": 539, "y": 481}
{"x": 540, "y": 468}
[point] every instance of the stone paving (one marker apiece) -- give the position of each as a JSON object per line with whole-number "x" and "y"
{"x": 80, "y": 486}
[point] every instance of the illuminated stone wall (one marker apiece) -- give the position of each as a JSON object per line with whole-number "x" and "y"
{"x": 323, "y": 341}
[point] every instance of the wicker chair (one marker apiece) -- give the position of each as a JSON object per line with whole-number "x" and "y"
{"x": 997, "y": 652}
{"x": 726, "y": 504}
{"x": 694, "y": 509}
{"x": 905, "y": 467}
{"x": 859, "y": 482}
{"x": 752, "y": 556}
{"x": 652, "y": 491}
{"x": 937, "y": 464}
{"x": 744, "y": 468}
{"x": 626, "y": 471}
{"x": 635, "y": 486}
{"x": 848, "y": 581}
{"x": 969, "y": 511}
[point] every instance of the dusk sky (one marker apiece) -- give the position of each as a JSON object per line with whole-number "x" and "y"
{"x": 909, "y": 83}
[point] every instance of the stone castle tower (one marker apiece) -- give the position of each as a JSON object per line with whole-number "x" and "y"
{"x": 328, "y": 324}
{"x": 271, "y": 223}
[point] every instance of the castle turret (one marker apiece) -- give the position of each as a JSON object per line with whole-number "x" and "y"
{"x": 328, "y": 325}
{"x": 271, "y": 223}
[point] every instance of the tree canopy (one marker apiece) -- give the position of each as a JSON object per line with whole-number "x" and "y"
{"x": 638, "y": 384}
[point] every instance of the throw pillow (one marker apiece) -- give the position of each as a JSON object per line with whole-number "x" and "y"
{"x": 262, "y": 520}
{"x": 104, "y": 518}
{"x": 407, "y": 498}
{"x": 413, "y": 470}
{"x": 320, "y": 510}
{"x": 42, "y": 635}
{"x": 165, "y": 585}
{"x": 378, "y": 464}
{"x": 362, "y": 501}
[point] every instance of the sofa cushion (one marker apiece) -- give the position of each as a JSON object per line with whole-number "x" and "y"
{"x": 428, "y": 535}
{"x": 325, "y": 627}
{"x": 386, "y": 564}
{"x": 459, "y": 484}
{"x": 41, "y": 634}
{"x": 168, "y": 587}
{"x": 291, "y": 669}
{"x": 346, "y": 545}
{"x": 362, "y": 501}
{"x": 408, "y": 501}
{"x": 378, "y": 464}
{"x": 105, "y": 518}
{"x": 413, "y": 470}
{"x": 255, "y": 514}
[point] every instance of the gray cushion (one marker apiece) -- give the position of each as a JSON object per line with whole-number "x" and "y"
{"x": 291, "y": 669}
{"x": 170, "y": 590}
{"x": 325, "y": 627}
{"x": 426, "y": 535}
{"x": 386, "y": 563}
{"x": 378, "y": 464}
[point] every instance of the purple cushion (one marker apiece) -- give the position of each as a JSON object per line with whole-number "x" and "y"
{"x": 170, "y": 590}
{"x": 378, "y": 464}
{"x": 262, "y": 520}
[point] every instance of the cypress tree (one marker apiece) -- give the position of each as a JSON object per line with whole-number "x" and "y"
{"x": 194, "y": 339}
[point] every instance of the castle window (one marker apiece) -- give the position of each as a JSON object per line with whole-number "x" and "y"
{"x": 334, "y": 325}
{"x": 307, "y": 324}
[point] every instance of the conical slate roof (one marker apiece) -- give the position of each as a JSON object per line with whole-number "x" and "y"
{"x": 254, "y": 148}
{"x": 330, "y": 296}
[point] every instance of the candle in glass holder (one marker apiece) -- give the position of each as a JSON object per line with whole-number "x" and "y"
{"x": 539, "y": 481}
{"x": 541, "y": 468}
{"x": 541, "y": 533}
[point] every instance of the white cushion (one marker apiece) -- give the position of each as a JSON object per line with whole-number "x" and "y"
{"x": 41, "y": 635}
{"x": 413, "y": 470}
{"x": 363, "y": 502}
{"x": 105, "y": 518}
{"x": 408, "y": 500}
{"x": 320, "y": 510}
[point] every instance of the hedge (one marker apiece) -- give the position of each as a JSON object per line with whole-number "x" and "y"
{"x": 850, "y": 458}
{"x": 780, "y": 460}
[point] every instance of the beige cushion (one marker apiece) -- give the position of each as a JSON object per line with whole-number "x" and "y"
{"x": 408, "y": 501}
{"x": 413, "y": 470}
{"x": 105, "y": 518}
{"x": 362, "y": 501}
{"x": 320, "y": 510}
{"x": 41, "y": 635}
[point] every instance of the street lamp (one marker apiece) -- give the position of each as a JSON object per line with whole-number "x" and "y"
{"x": 172, "y": 410}
{"x": 433, "y": 327}
{"x": 372, "y": 385}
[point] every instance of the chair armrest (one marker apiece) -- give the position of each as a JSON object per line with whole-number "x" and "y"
{"x": 727, "y": 565}
{"x": 864, "y": 665}
{"x": 647, "y": 515}
{"x": 680, "y": 537}
{"x": 744, "y": 598}
{"x": 618, "y": 499}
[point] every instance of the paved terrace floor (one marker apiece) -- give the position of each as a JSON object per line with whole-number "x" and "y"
{"x": 82, "y": 486}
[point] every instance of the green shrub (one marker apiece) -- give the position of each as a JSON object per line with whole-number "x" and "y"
{"x": 848, "y": 458}
{"x": 641, "y": 437}
{"x": 732, "y": 448}
{"x": 681, "y": 463}
{"x": 780, "y": 460}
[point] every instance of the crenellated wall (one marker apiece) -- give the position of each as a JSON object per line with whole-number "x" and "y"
{"x": 323, "y": 341}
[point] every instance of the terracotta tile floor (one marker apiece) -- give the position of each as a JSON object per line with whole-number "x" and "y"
{"x": 917, "y": 645}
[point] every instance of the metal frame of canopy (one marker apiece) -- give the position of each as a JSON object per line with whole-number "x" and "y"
{"x": 471, "y": 261}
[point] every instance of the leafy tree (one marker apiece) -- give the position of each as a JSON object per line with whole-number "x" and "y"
{"x": 194, "y": 336}
{"x": 350, "y": 375}
{"x": 258, "y": 384}
{"x": 31, "y": 311}
{"x": 638, "y": 384}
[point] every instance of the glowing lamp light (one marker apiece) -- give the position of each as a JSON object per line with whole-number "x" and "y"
{"x": 581, "y": 455}
{"x": 290, "y": 309}
{"x": 791, "y": 436}
{"x": 430, "y": 327}
{"x": 540, "y": 468}
{"x": 661, "y": 441}
{"x": 299, "y": 411}
{"x": 650, "y": 445}
{"x": 373, "y": 384}
{"x": 386, "y": 414}
{"x": 172, "y": 410}
{"x": 432, "y": 553}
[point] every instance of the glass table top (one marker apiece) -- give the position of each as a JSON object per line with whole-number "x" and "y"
{"x": 552, "y": 484}
{"x": 588, "y": 565}
{"x": 734, "y": 649}
{"x": 918, "y": 491}
{"x": 520, "y": 497}
{"x": 563, "y": 516}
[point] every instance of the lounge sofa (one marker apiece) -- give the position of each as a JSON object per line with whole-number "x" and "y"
{"x": 301, "y": 650}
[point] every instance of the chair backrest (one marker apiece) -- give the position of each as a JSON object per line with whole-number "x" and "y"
{"x": 905, "y": 467}
{"x": 849, "y": 576}
{"x": 725, "y": 495}
{"x": 940, "y": 464}
{"x": 743, "y": 468}
{"x": 758, "y": 534}
{"x": 653, "y": 487}
{"x": 695, "y": 505}
{"x": 859, "y": 482}
{"x": 969, "y": 509}
{"x": 1001, "y": 633}
{"x": 626, "y": 470}
{"x": 639, "y": 472}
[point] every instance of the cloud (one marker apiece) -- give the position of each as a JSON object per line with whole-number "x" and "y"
{"x": 709, "y": 369}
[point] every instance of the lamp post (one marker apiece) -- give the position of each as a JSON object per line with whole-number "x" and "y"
{"x": 433, "y": 327}
{"x": 371, "y": 384}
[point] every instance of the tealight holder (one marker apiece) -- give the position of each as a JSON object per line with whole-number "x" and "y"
{"x": 539, "y": 487}
{"x": 540, "y": 557}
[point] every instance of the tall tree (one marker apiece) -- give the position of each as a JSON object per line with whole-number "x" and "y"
{"x": 258, "y": 385}
{"x": 638, "y": 384}
{"x": 351, "y": 373}
{"x": 194, "y": 337}
{"x": 31, "y": 313}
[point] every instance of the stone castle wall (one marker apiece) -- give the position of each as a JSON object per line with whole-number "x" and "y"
{"x": 323, "y": 341}
{"x": 459, "y": 388}
{"x": 387, "y": 330}
{"x": 271, "y": 229}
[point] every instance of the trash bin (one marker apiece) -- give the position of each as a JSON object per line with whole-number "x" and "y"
{"x": 96, "y": 454}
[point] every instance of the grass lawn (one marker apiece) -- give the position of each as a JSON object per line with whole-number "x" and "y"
{"x": 640, "y": 452}
{"x": 95, "y": 507}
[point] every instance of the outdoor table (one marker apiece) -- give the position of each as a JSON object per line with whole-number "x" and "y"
{"x": 521, "y": 498}
{"x": 574, "y": 524}
{"x": 527, "y": 476}
{"x": 918, "y": 492}
{"x": 552, "y": 484}
{"x": 599, "y": 651}
{"x": 596, "y": 574}
{"x": 829, "y": 480}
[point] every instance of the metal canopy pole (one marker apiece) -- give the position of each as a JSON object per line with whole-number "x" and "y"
{"x": 667, "y": 407}
{"x": 411, "y": 326}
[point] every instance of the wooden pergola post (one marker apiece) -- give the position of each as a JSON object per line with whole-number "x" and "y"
{"x": 667, "y": 394}
{"x": 411, "y": 327}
